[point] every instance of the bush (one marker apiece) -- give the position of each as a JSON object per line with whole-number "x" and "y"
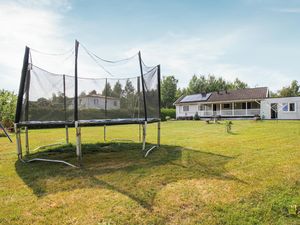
{"x": 257, "y": 117}
{"x": 8, "y": 102}
{"x": 196, "y": 117}
{"x": 170, "y": 113}
{"x": 228, "y": 125}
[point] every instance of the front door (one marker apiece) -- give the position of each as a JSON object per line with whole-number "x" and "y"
{"x": 215, "y": 109}
{"x": 274, "y": 112}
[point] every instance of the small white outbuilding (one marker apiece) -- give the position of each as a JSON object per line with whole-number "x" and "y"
{"x": 280, "y": 108}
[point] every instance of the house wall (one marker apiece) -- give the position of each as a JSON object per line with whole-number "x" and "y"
{"x": 98, "y": 103}
{"x": 194, "y": 107}
{"x": 266, "y": 108}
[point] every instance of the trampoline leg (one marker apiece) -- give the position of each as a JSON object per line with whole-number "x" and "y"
{"x": 78, "y": 142}
{"x": 26, "y": 141}
{"x": 18, "y": 140}
{"x": 67, "y": 135}
{"x": 104, "y": 133}
{"x": 158, "y": 134}
{"x": 144, "y": 135}
{"x": 140, "y": 133}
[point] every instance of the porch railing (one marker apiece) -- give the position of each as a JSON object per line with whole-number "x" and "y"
{"x": 230, "y": 112}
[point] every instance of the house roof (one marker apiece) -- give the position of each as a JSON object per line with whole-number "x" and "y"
{"x": 230, "y": 95}
{"x": 240, "y": 94}
{"x": 97, "y": 96}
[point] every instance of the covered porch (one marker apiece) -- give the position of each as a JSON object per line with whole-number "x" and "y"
{"x": 228, "y": 109}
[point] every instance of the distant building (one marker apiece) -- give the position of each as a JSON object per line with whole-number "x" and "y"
{"x": 241, "y": 103}
{"x": 96, "y": 101}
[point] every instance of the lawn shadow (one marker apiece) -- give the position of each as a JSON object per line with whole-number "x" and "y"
{"x": 232, "y": 133}
{"x": 121, "y": 167}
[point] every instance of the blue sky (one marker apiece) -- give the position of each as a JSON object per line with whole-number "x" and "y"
{"x": 257, "y": 41}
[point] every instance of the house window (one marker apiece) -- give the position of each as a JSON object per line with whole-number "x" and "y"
{"x": 115, "y": 103}
{"x": 292, "y": 107}
{"x": 201, "y": 107}
{"x": 285, "y": 107}
{"x": 226, "y": 106}
{"x": 95, "y": 101}
{"x": 185, "y": 108}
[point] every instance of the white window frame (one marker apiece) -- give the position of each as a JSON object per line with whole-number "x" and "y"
{"x": 285, "y": 104}
{"x": 290, "y": 106}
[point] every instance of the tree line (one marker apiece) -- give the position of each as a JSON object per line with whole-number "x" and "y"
{"x": 205, "y": 84}
{"x": 169, "y": 93}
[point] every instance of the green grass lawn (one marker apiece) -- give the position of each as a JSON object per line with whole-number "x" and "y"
{"x": 200, "y": 175}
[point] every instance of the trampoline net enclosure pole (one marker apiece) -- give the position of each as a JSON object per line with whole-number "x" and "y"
{"x": 105, "y": 109}
{"x": 159, "y": 104}
{"x": 22, "y": 85}
{"x": 76, "y": 83}
{"x": 65, "y": 108}
{"x": 143, "y": 86}
{"x": 26, "y": 87}
{"x": 139, "y": 105}
{"x": 77, "y": 128}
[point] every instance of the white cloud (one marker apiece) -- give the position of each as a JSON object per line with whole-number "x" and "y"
{"x": 185, "y": 56}
{"x": 40, "y": 25}
{"x": 20, "y": 26}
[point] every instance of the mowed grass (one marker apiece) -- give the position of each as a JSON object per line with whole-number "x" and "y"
{"x": 200, "y": 175}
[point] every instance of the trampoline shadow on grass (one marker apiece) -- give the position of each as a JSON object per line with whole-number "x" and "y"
{"x": 122, "y": 168}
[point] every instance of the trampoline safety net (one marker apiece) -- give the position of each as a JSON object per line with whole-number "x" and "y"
{"x": 49, "y": 97}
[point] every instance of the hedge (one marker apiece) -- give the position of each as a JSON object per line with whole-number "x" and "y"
{"x": 170, "y": 113}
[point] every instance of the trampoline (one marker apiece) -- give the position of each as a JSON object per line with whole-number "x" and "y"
{"x": 54, "y": 100}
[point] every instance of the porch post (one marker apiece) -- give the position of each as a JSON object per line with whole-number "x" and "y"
{"x": 233, "y": 108}
{"x": 212, "y": 109}
{"x": 246, "y": 108}
{"x": 220, "y": 109}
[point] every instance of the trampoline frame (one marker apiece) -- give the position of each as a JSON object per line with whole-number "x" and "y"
{"x": 142, "y": 122}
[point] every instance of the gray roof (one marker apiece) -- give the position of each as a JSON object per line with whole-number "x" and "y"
{"x": 97, "y": 96}
{"x": 240, "y": 94}
{"x": 231, "y": 95}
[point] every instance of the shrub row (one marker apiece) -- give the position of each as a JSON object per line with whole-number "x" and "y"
{"x": 168, "y": 114}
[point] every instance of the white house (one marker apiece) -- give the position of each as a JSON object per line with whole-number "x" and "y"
{"x": 241, "y": 103}
{"x": 280, "y": 108}
{"x": 96, "y": 101}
